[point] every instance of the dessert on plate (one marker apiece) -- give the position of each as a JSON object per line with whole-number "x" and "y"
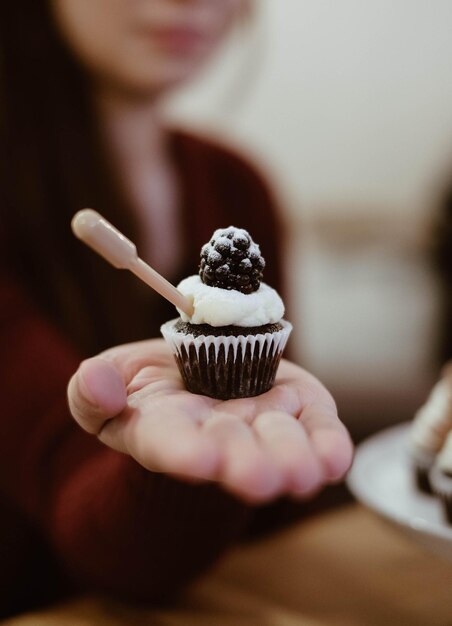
{"x": 441, "y": 477}
{"x": 430, "y": 427}
{"x": 231, "y": 345}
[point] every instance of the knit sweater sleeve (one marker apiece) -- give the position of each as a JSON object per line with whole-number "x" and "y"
{"x": 114, "y": 527}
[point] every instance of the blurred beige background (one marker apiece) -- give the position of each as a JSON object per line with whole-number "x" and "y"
{"x": 348, "y": 107}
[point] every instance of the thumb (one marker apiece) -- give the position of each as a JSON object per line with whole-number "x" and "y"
{"x": 96, "y": 393}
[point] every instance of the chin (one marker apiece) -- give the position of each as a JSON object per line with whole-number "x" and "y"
{"x": 170, "y": 74}
{"x": 179, "y": 72}
{"x": 144, "y": 80}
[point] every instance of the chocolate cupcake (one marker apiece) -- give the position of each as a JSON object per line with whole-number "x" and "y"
{"x": 441, "y": 477}
{"x": 429, "y": 430}
{"x": 422, "y": 462}
{"x": 232, "y": 344}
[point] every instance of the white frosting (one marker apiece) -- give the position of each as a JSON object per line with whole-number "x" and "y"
{"x": 433, "y": 421}
{"x": 444, "y": 459}
{"x": 224, "y": 307}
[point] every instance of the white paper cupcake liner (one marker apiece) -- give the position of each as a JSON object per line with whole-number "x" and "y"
{"x": 227, "y": 367}
{"x": 422, "y": 462}
{"x": 441, "y": 483}
{"x": 266, "y": 343}
{"x": 442, "y": 487}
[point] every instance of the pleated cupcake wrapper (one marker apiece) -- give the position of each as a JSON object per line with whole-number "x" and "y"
{"x": 267, "y": 343}
{"x": 441, "y": 483}
{"x": 442, "y": 488}
{"x": 422, "y": 462}
{"x": 227, "y": 367}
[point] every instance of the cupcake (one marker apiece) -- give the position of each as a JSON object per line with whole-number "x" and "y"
{"x": 441, "y": 477}
{"x": 232, "y": 344}
{"x": 429, "y": 430}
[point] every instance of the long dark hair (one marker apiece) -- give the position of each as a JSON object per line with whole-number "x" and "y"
{"x": 53, "y": 163}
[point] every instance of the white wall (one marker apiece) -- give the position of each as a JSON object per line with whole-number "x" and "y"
{"x": 351, "y": 102}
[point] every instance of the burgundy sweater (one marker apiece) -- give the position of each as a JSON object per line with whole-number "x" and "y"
{"x": 75, "y": 515}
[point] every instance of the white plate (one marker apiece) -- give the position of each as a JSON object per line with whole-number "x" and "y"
{"x": 381, "y": 478}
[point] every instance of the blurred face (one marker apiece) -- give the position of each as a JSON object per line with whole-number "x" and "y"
{"x": 144, "y": 46}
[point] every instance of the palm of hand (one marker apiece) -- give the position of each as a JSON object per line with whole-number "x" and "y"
{"x": 286, "y": 441}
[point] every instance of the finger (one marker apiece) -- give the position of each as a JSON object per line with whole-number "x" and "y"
{"x": 130, "y": 358}
{"x": 96, "y": 393}
{"x": 156, "y": 379}
{"x": 294, "y": 389}
{"x": 330, "y": 439}
{"x": 163, "y": 440}
{"x": 286, "y": 441}
{"x": 246, "y": 470}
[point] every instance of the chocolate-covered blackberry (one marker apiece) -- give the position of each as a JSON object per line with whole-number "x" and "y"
{"x": 231, "y": 260}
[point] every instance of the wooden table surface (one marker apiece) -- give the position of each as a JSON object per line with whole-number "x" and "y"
{"x": 342, "y": 568}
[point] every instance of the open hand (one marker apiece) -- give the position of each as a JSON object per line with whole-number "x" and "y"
{"x": 288, "y": 441}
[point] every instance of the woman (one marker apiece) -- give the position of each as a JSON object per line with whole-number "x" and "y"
{"x": 80, "y": 83}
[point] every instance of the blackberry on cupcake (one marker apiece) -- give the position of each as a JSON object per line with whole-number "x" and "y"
{"x": 231, "y": 260}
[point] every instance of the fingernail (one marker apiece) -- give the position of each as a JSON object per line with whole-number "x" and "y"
{"x": 85, "y": 391}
